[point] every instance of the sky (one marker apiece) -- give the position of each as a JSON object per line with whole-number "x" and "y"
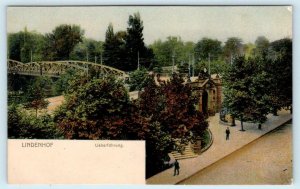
{"x": 191, "y": 23}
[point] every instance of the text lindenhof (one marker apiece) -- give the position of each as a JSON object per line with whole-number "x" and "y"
{"x": 37, "y": 144}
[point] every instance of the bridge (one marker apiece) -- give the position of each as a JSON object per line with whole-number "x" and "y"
{"x": 57, "y": 68}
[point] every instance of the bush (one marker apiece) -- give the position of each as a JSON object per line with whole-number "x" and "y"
{"x": 23, "y": 125}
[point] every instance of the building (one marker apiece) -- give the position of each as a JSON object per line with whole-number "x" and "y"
{"x": 209, "y": 90}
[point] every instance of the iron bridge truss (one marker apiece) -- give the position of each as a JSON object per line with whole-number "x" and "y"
{"x": 57, "y": 68}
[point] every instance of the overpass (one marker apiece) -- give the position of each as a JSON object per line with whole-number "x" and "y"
{"x": 57, "y": 68}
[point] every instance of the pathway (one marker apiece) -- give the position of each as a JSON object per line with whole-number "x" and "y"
{"x": 267, "y": 160}
{"x": 56, "y": 101}
{"x": 220, "y": 147}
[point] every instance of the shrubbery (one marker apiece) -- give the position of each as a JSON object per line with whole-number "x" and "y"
{"x": 24, "y": 125}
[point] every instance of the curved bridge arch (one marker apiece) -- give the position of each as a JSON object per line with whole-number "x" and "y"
{"x": 56, "y": 68}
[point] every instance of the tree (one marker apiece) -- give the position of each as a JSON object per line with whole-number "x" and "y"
{"x": 249, "y": 50}
{"x": 158, "y": 145}
{"x": 136, "y": 51}
{"x": 233, "y": 48}
{"x": 87, "y": 50}
{"x": 172, "y": 105}
{"x": 151, "y": 101}
{"x": 61, "y": 85}
{"x": 94, "y": 109}
{"x": 172, "y": 46}
{"x": 259, "y": 85}
{"x": 279, "y": 69}
{"x": 161, "y": 53}
{"x": 134, "y": 41}
{"x": 169, "y": 109}
{"x": 216, "y": 66}
{"x": 208, "y": 48}
{"x": 208, "y": 55}
{"x": 113, "y": 54}
{"x": 137, "y": 79}
{"x": 13, "y": 119}
{"x": 179, "y": 115}
{"x": 259, "y": 89}
{"x": 25, "y": 46}
{"x": 14, "y": 46}
{"x": 62, "y": 40}
{"x": 36, "y": 94}
{"x": 262, "y": 45}
{"x": 23, "y": 125}
{"x": 237, "y": 98}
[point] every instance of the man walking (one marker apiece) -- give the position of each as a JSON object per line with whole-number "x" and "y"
{"x": 227, "y": 133}
{"x": 176, "y": 167}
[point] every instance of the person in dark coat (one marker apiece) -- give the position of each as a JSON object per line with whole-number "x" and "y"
{"x": 176, "y": 167}
{"x": 227, "y": 133}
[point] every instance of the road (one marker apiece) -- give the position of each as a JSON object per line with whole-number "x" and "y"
{"x": 268, "y": 160}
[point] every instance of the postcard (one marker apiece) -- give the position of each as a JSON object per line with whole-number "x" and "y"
{"x": 197, "y": 95}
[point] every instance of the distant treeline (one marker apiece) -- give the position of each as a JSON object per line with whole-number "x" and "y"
{"x": 126, "y": 49}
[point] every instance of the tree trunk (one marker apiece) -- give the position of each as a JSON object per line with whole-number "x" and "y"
{"x": 259, "y": 126}
{"x": 242, "y": 126}
{"x": 233, "y": 122}
{"x": 275, "y": 112}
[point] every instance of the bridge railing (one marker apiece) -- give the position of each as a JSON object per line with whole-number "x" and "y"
{"x": 56, "y": 68}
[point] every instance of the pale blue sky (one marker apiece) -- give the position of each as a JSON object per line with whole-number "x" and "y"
{"x": 190, "y": 22}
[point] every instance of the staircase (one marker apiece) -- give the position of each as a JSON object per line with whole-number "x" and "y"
{"x": 188, "y": 152}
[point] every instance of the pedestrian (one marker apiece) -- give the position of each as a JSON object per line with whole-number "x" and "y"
{"x": 227, "y": 133}
{"x": 176, "y": 167}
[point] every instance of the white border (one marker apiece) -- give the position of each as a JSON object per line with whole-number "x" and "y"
{"x": 3, "y": 80}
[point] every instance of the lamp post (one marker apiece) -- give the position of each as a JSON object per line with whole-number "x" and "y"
{"x": 173, "y": 61}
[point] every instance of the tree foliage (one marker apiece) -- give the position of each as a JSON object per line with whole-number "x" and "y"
{"x": 216, "y": 67}
{"x": 23, "y": 125}
{"x": 237, "y": 97}
{"x": 24, "y": 46}
{"x": 233, "y": 48}
{"x": 261, "y": 84}
{"x": 126, "y": 49}
{"x": 279, "y": 71}
{"x": 207, "y": 47}
{"x": 261, "y": 46}
{"x": 170, "y": 110}
{"x": 135, "y": 46}
{"x": 114, "y": 48}
{"x": 172, "y": 46}
{"x": 94, "y": 109}
{"x": 179, "y": 115}
{"x": 261, "y": 98}
{"x": 172, "y": 105}
{"x": 249, "y": 50}
{"x": 88, "y": 50}
{"x": 61, "y": 85}
{"x": 36, "y": 94}
{"x": 62, "y": 40}
{"x": 137, "y": 79}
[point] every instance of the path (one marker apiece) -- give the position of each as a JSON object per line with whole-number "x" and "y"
{"x": 268, "y": 160}
{"x": 220, "y": 147}
{"x": 56, "y": 101}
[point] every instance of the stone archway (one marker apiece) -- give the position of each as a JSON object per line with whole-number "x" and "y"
{"x": 205, "y": 102}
